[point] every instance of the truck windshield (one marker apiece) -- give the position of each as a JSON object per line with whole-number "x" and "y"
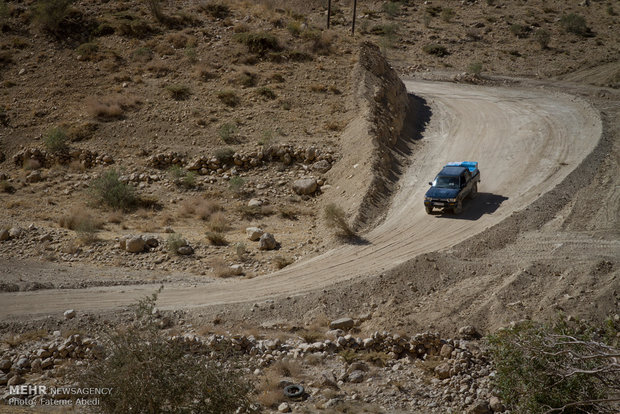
{"x": 443, "y": 181}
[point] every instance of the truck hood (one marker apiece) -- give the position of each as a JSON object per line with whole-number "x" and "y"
{"x": 442, "y": 193}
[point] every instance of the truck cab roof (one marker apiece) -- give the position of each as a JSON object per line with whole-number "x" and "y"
{"x": 452, "y": 171}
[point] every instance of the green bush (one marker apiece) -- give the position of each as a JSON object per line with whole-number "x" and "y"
{"x": 151, "y": 373}
{"x": 575, "y": 23}
{"x": 110, "y": 191}
{"x": 435, "y": 49}
{"x": 181, "y": 177}
{"x": 475, "y": 68}
{"x": 560, "y": 368}
{"x": 51, "y": 14}
{"x": 56, "y": 141}
{"x": 259, "y": 43}
{"x": 224, "y": 155}
{"x": 227, "y": 133}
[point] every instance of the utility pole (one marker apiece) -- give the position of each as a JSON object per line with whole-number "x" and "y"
{"x": 354, "y": 12}
{"x": 329, "y": 11}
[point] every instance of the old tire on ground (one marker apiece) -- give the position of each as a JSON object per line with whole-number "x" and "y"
{"x": 474, "y": 191}
{"x": 294, "y": 391}
{"x": 429, "y": 209}
{"x": 458, "y": 209}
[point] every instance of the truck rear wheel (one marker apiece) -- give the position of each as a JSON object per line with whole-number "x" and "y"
{"x": 458, "y": 209}
{"x": 429, "y": 209}
{"x": 474, "y": 191}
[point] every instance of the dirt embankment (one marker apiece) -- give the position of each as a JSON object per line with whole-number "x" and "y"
{"x": 376, "y": 142}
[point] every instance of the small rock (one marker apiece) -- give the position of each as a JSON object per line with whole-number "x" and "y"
{"x": 496, "y": 405}
{"x": 356, "y": 376}
{"x": 4, "y": 235}
{"x": 15, "y": 232}
{"x": 15, "y": 380}
{"x": 469, "y": 332}
{"x": 151, "y": 241}
{"x": 267, "y": 242}
{"x": 185, "y": 250}
{"x": 254, "y": 233}
{"x": 284, "y": 408}
{"x": 446, "y": 351}
{"x": 5, "y": 365}
{"x": 34, "y": 177}
{"x": 135, "y": 244}
{"x": 443, "y": 370}
{"x": 305, "y": 186}
{"x": 480, "y": 407}
{"x": 342, "y": 323}
{"x": 237, "y": 269}
{"x": 69, "y": 314}
{"x": 321, "y": 166}
{"x": 255, "y": 203}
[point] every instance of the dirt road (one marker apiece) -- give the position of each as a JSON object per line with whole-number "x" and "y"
{"x": 526, "y": 142}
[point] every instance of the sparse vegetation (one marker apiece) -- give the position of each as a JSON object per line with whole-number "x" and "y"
{"x": 229, "y": 98}
{"x": 259, "y": 43}
{"x": 519, "y": 30}
{"x": 174, "y": 242}
{"x": 216, "y": 238}
{"x": 178, "y": 92}
{"x": 224, "y": 155}
{"x": 216, "y": 10}
{"x": 436, "y": 50}
{"x": 218, "y": 223}
{"x": 475, "y": 68}
{"x": 543, "y": 37}
{"x": 51, "y": 14}
{"x": 6, "y": 187}
{"x": 88, "y": 51}
{"x": 576, "y": 24}
{"x": 236, "y": 184}
{"x": 56, "y": 141}
{"x": 335, "y": 218}
{"x": 447, "y": 14}
{"x": 228, "y": 133}
{"x": 152, "y": 373}
{"x": 281, "y": 262}
{"x": 110, "y": 191}
{"x": 556, "y": 367}
{"x": 391, "y": 8}
{"x": 266, "y": 92}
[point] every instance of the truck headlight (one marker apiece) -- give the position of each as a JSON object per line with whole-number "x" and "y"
{"x": 452, "y": 200}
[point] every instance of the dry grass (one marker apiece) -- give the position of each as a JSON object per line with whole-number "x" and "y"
{"x": 216, "y": 239}
{"x": 79, "y": 219}
{"x": 281, "y": 262}
{"x": 29, "y": 336}
{"x": 159, "y": 69}
{"x": 268, "y": 392}
{"x": 218, "y": 222}
{"x": 111, "y": 107}
{"x": 221, "y": 269}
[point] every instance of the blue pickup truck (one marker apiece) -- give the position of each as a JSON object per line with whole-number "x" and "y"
{"x": 455, "y": 182}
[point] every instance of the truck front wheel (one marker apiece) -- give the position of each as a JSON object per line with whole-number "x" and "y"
{"x": 429, "y": 209}
{"x": 458, "y": 208}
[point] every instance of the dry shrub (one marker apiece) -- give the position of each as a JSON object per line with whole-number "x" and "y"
{"x": 269, "y": 393}
{"x": 82, "y": 131}
{"x": 216, "y": 239}
{"x": 111, "y": 107}
{"x": 78, "y": 218}
{"x": 333, "y": 126}
{"x": 337, "y": 219}
{"x": 206, "y": 208}
{"x": 159, "y": 69}
{"x": 322, "y": 44}
{"x": 287, "y": 368}
{"x": 281, "y": 262}
{"x": 255, "y": 212}
{"x": 115, "y": 217}
{"x": 218, "y": 222}
{"x": 221, "y": 269}
{"x": 29, "y": 336}
{"x": 206, "y": 74}
{"x": 318, "y": 87}
{"x": 178, "y": 40}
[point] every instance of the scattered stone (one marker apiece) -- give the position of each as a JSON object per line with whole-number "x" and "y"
{"x": 135, "y": 244}
{"x": 305, "y": 186}
{"x": 356, "y": 376}
{"x": 15, "y": 380}
{"x": 480, "y": 407}
{"x": 151, "y": 242}
{"x": 342, "y": 323}
{"x": 267, "y": 242}
{"x": 446, "y": 351}
{"x": 322, "y": 166}
{"x": 34, "y": 177}
{"x": 496, "y": 405}
{"x": 254, "y": 233}
{"x": 15, "y": 232}
{"x": 284, "y": 408}
{"x": 4, "y": 235}
{"x": 469, "y": 332}
{"x": 185, "y": 250}
{"x": 237, "y": 269}
{"x": 443, "y": 371}
{"x": 69, "y": 314}
{"x": 5, "y": 365}
{"x": 255, "y": 203}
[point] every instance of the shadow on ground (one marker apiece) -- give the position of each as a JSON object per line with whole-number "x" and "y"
{"x": 484, "y": 203}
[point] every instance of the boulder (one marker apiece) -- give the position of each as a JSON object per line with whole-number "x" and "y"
{"x": 15, "y": 232}
{"x": 69, "y": 314}
{"x": 254, "y": 233}
{"x": 135, "y": 244}
{"x": 237, "y": 269}
{"x": 496, "y": 405}
{"x": 151, "y": 241}
{"x": 267, "y": 242}
{"x": 305, "y": 186}
{"x": 446, "y": 351}
{"x": 342, "y": 323}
